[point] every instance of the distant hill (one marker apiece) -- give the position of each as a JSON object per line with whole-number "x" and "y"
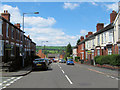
{"x": 51, "y": 49}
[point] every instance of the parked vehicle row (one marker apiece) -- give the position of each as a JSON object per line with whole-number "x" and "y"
{"x": 41, "y": 63}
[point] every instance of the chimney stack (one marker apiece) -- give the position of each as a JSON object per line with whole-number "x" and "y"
{"x": 6, "y": 15}
{"x": 86, "y": 36}
{"x": 17, "y": 25}
{"x": 28, "y": 36}
{"x": 113, "y": 16}
{"x": 90, "y": 33}
{"x": 100, "y": 26}
{"x": 81, "y": 38}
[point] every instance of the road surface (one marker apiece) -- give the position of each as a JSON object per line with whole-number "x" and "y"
{"x": 67, "y": 76}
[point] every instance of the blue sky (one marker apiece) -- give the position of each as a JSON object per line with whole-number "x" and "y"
{"x": 59, "y": 22}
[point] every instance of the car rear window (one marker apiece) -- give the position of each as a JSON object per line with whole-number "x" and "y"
{"x": 70, "y": 60}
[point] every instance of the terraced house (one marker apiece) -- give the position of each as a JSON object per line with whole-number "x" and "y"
{"x": 105, "y": 41}
{"x": 15, "y": 47}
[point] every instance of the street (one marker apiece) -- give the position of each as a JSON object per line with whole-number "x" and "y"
{"x": 67, "y": 76}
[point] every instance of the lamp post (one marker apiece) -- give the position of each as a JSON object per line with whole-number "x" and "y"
{"x": 23, "y": 30}
{"x": 28, "y": 13}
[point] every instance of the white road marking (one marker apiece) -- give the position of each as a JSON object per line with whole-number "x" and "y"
{"x": 60, "y": 67}
{"x": 68, "y": 79}
{"x": 4, "y": 81}
{"x": 0, "y": 84}
{"x": 112, "y": 77}
{"x": 63, "y": 71}
{"x": 12, "y": 80}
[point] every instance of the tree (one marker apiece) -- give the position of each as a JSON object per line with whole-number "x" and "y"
{"x": 68, "y": 50}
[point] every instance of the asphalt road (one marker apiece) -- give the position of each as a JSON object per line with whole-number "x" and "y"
{"x": 68, "y": 76}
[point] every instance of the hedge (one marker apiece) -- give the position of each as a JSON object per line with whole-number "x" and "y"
{"x": 109, "y": 59}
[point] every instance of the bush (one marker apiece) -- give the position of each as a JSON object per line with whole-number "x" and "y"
{"x": 109, "y": 59}
{"x": 77, "y": 59}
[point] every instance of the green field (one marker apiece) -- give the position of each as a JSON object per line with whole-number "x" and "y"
{"x": 51, "y": 49}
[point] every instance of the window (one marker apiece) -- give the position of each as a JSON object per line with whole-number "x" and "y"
{"x": 118, "y": 50}
{"x": 98, "y": 52}
{"x": 1, "y": 48}
{"x": 82, "y": 46}
{"x": 21, "y": 36}
{"x": 83, "y": 56}
{"x": 119, "y": 32}
{"x": 0, "y": 27}
{"x": 102, "y": 38}
{"x": 7, "y": 25}
{"x": 92, "y": 54}
{"x": 12, "y": 33}
{"x": 18, "y": 35}
{"x": 86, "y": 54}
{"x": 110, "y": 36}
{"x": 98, "y": 39}
{"x": 12, "y": 50}
{"x": 109, "y": 51}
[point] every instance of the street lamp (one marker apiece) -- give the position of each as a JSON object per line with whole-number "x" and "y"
{"x": 23, "y": 30}
{"x": 28, "y": 13}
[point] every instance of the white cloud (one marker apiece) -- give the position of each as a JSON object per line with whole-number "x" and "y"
{"x": 71, "y": 5}
{"x": 93, "y": 3}
{"x": 113, "y": 6}
{"x": 40, "y": 28}
{"x": 83, "y": 32}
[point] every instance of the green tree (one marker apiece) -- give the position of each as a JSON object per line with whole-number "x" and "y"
{"x": 68, "y": 50}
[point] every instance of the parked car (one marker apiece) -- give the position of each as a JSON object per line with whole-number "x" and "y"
{"x": 70, "y": 62}
{"x": 62, "y": 61}
{"x": 40, "y": 63}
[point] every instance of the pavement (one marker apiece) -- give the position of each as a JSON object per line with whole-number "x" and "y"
{"x": 60, "y": 75}
{"x": 21, "y": 72}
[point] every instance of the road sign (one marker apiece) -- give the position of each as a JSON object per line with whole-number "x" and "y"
{"x": 89, "y": 52}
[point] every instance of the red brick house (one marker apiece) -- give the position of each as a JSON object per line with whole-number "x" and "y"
{"x": 12, "y": 40}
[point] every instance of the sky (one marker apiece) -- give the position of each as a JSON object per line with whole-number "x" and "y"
{"x": 59, "y": 23}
